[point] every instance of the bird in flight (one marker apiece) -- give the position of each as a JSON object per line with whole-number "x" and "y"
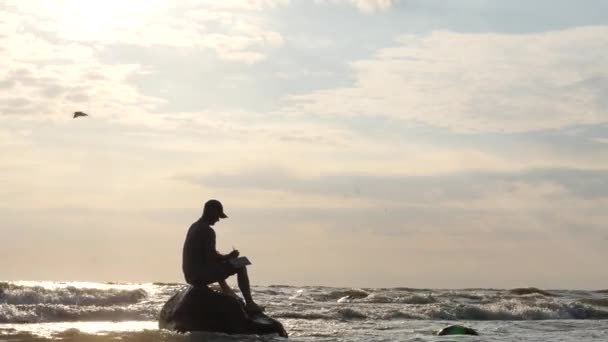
{"x": 77, "y": 114}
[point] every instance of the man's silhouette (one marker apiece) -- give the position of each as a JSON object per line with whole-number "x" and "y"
{"x": 203, "y": 264}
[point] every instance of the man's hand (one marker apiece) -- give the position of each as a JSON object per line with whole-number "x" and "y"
{"x": 235, "y": 253}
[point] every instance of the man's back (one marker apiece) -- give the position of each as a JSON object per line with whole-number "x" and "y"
{"x": 199, "y": 251}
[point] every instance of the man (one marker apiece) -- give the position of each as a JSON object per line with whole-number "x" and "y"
{"x": 203, "y": 264}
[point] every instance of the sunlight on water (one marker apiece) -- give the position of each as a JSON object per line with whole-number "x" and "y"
{"x": 83, "y": 285}
{"x": 50, "y": 329}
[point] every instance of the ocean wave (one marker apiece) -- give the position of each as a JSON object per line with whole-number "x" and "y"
{"x": 340, "y": 314}
{"x": 468, "y": 296}
{"x": 340, "y": 294}
{"x": 69, "y": 302}
{"x": 397, "y": 315}
{"x": 66, "y": 313}
{"x": 279, "y": 286}
{"x": 349, "y": 314}
{"x": 17, "y": 295}
{"x": 596, "y": 301}
{"x": 531, "y": 290}
{"x": 385, "y": 299}
{"x": 427, "y": 299}
{"x": 513, "y": 310}
{"x": 378, "y": 299}
{"x": 304, "y": 315}
{"x": 407, "y": 289}
{"x": 269, "y": 292}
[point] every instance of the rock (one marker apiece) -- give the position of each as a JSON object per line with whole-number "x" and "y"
{"x": 457, "y": 330}
{"x": 203, "y": 309}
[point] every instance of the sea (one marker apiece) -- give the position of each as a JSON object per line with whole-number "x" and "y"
{"x": 78, "y": 311}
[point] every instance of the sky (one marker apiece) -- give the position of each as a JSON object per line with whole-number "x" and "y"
{"x": 357, "y": 143}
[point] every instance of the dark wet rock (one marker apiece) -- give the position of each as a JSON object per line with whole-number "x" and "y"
{"x": 457, "y": 330}
{"x": 202, "y": 309}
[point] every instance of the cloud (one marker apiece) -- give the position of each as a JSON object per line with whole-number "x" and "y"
{"x": 58, "y": 90}
{"x": 371, "y": 168}
{"x": 234, "y": 30}
{"x": 366, "y": 6}
{"x": 536, "y": 185}
{"x": 373, "y": 5}
{"x": 52, "y": 79}
{"x": 477, "y": 82}
{"x": 240, "y": 4}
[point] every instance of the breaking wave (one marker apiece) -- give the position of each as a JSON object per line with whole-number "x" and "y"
{"x": 531, "y": 290}
{"x": 33, "y": 303}
{"x": 70, "y": 295}
{"x": 69, "y": 313}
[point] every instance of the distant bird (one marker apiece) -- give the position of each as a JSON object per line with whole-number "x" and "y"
{"x": 77, "y": 114}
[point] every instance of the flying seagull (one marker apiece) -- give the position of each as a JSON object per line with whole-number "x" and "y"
{"x": 77, "y": 114}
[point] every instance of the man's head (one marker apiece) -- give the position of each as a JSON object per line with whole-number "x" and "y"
{"x": 213, "y": 211}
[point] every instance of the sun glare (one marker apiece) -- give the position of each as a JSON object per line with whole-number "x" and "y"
{"x": 98, "y": 16}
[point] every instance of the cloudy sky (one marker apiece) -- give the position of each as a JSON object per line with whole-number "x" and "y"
{"x": 421, "y": 143}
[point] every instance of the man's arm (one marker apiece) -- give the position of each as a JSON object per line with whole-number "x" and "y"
{"x": 211, "y": 252}
{"x": 230, "y": 255}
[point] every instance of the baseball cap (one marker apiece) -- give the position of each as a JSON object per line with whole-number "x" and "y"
{"x": 216, "y": 205}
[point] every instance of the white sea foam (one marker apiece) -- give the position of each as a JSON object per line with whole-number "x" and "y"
{"x": 308, "y": 312}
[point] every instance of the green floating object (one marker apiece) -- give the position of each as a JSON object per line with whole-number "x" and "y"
{"x": 457, "y": 330}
